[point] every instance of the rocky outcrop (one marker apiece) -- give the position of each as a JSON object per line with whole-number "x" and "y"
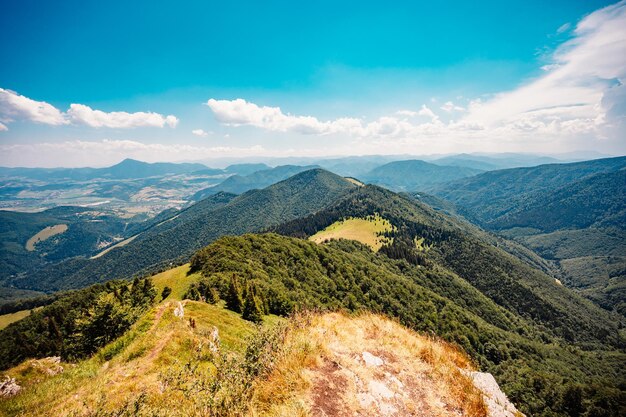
{"x": 497, "y": 403}
{"x": 9, "y": 387}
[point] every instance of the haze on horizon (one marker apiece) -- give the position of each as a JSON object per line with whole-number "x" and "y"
{"x": 92, "y": 84}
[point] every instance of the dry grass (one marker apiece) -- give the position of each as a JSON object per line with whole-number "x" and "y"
{"x": 45, "y": 234}
{"x": 324, "y": 372}
{"x": 164, "y": 366}
{"x": 7, "y": 319}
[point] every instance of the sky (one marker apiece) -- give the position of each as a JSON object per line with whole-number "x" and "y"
{"x": 91, "y": 83}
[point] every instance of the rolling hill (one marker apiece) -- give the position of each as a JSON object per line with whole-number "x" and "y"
{"x": 127, "y": 169}
{"x": 176, "y": 239}
{"x": 572, "y": 215}
{"x": 413, "y": 175}
{"x": 239, "y": 184}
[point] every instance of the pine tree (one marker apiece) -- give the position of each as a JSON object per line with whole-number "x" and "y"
{"x": 233, "y": 296}
{"x": 251, "y": 306}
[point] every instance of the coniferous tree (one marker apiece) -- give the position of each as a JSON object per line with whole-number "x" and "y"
{"x": 233, "y": 296}
{"x": 251, "y": 306}
{"x": 165, "y": 293}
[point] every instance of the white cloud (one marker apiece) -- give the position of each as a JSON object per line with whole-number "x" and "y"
{"x": 449, "y": 107}
{"x": 17, "y": 107}
{"x": 563, "y": 28}
{"x": 79, "y": 113}
{"x": 427, "y": 112}
{"x": 3, "y": 127}
{"x": 407, "y": 113}
{"x": 200, "y": 132}
{"x": 570, "y": 97}
{"x": 240, "y": 112}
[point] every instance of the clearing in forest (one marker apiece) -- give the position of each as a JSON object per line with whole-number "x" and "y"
{"x": 369, "y": 231}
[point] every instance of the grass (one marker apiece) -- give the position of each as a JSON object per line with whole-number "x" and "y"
{"x": 323, "y": 373}
{"x": 365, "y": 230}
{"x": 117, "y": 245}
{"x": 46, "y": 233}
{"x": 7, "y": 319}
{"x": 136, "y": 364}
{"x": 165, "y": 366}
{"x": 178, "y": 279}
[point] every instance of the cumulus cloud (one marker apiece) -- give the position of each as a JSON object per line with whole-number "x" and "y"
{"x": 79, "y": 113}
{"x": 427, "y": 112}
{"x": 579, "y": 100}
{"x": 17, "y": 107}
{"x": 240, "y": 112}
{"x": 3, "y": 127}
{"x": 199, "y": 132}
{"x": 449, "y": 107}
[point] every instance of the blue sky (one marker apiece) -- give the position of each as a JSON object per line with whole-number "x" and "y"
{"x": 88, "y": 83}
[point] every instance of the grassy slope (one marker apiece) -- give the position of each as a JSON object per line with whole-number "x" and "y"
{"x": 367, "y": 231}
{"x": 132, "y": 364}
{"x": 7, "y": 319}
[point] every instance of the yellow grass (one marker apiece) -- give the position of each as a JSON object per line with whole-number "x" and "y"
{"x": 324, "y": 372}
{"x": 366, "y": 231}
{"x": 46, "y": 233}
{"x": 355, "y": 181}
{"x": 178, "y": 279}
{"x": 129, "y": 366}
{"x": 7, "y": 319}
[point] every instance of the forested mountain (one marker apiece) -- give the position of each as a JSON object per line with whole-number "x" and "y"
{"x": 30, "y": 241}
{"x": 127, "y": 169}
{"x": 176, "y": 239}
{"x": 490, "y": 194}
{"x": 413, "y": 175}
{"x": 533, "y": 364}
{"x": 573, "y": 215}
{"x": 466, "y": 251}
{"x": 239, "y": 184}
{"x": 495, "y": 161}
{"x": 552, "y": 351}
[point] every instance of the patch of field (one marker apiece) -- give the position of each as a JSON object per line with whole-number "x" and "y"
{"x": 46, "y": 233}
{"x": 365, "y": 230}
{"x": 117, "y": 245}
{"x": 7, "y": 319}
{"x": 177, "y": 279}
{"x": 355, "y": 181}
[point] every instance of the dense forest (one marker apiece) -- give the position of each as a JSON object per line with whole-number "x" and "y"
{"x": 174, "y": 241}
{"x": 537, "y": 368}
{"x": 78, "y": 323}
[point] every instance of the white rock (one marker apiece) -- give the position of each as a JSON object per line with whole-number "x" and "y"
{"x": 9, "y": 387}
{"x": 371, "y": 360}
{"x": 179, "y": 311}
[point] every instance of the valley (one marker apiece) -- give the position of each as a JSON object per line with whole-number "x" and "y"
{"x": 317, "y": 241}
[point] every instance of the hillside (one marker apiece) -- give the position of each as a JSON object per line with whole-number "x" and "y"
{"x": 239, "y": 184}
{"x": 286, "y": 274}
{"x": 30, "y": 241}
{"x": 288, "y": 368}
{"x": 127, "y": 169}
{"x": 493, "y": 193}
{"x": 415, "y": 175}
{"x": 176, "y": 240}
{"x": 572, "y": 215}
